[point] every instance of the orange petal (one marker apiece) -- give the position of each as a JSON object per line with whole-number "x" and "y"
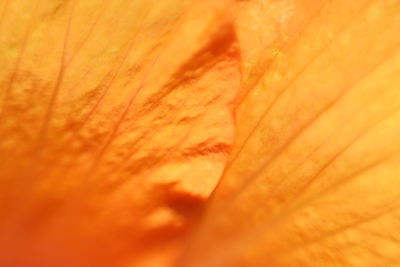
{"x": 313, "y": 179}
{"x": 116, "y": 122}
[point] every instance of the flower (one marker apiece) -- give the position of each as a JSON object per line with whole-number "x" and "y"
{"x": 118, "y": 119}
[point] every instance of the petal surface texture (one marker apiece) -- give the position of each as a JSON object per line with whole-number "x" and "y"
{"x": 313, "y": 179}
{"x": 199, "y": 133}
{"x": 116, "y": 123}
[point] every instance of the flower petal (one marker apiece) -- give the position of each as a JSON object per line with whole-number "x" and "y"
{"x": 116, "y": 122}
{"x": 313, "y": 179}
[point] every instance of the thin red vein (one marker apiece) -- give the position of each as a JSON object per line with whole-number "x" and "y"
{"x": 307, "y": 125}
{"x": 88, "y": 35}
{"x": 353, "y": 225}
{"x": 54, "y": 97}
{"x": 115, "y": 74}
{"x": 363, "y": 132}
{"x": 281, "y": 93}
{"x": 294, "y": 137}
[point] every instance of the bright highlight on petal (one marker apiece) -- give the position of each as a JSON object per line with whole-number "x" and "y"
{"x": 199, "y": 133}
